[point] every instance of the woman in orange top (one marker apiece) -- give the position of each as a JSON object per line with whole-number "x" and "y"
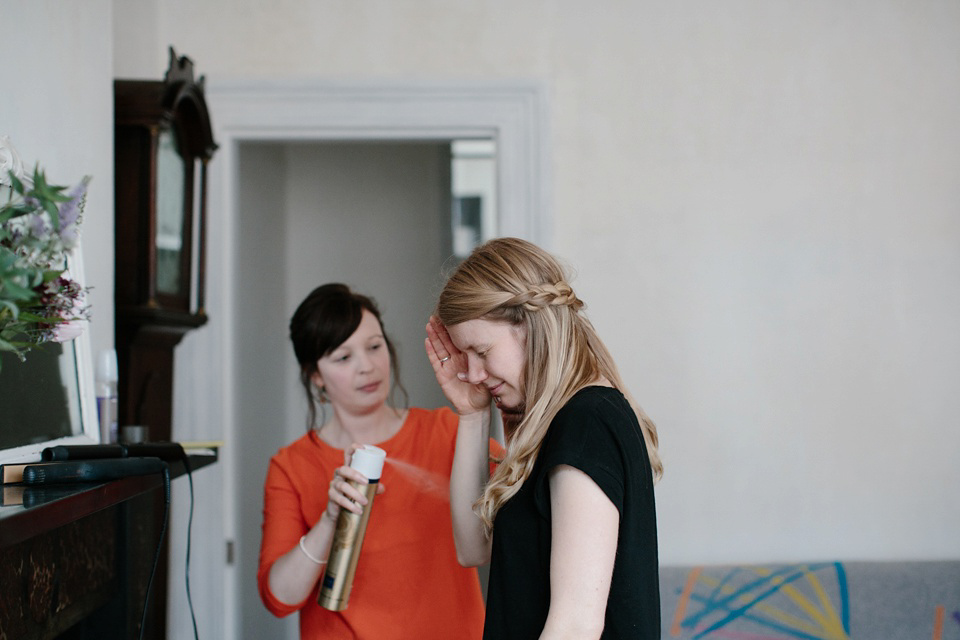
{"x": 408, "y": 583}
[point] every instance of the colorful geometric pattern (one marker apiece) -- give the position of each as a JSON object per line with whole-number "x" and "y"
{"x": 808, "y": 601}
{"x": 803, "y": 601}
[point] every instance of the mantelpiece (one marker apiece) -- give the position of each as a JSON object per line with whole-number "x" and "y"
{"x": 75, "y": 559}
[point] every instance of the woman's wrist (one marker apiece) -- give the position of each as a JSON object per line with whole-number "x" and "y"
{"x": 322, "y": 530}
{"x": 307, "y": 552}
{"x": 327, "y": 518}
{"x": 474, "y": 418}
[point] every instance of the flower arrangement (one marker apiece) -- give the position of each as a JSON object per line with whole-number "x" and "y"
{"x": 39, "y": 227}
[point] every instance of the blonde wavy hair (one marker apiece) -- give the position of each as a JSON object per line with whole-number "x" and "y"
{"x": 514, "y": 281}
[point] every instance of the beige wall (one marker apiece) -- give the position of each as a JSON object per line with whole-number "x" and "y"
{"x": 370, "y": 215}
{"x": 56, "y": 83}
{"x": 760, "y": 199}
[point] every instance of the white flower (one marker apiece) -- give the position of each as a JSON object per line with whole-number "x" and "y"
{"x": 66, "y": 331}
{"x": 9, "y": 161}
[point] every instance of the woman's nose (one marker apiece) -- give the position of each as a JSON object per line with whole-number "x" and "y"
{"x": 475, "y": 371}
{"x": 364, "y": 363}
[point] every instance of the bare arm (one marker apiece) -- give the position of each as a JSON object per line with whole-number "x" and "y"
{"x": 471, "y": 460}
{"x": 294, "y": 574}
{"x": 584, "y": 525}
{"x": 471, "y": 470}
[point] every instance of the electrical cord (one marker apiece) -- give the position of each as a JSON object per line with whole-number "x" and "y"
{"x": 186, "y": 572}
{"x": 109, "y": 462}
{"x": 166, "y": 516}
{"x": 156, "y": 556}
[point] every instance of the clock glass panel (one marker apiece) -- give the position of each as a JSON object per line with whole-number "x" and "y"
{"x": 170, "y": 200}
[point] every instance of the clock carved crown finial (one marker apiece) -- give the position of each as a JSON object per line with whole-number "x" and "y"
{"x": 180, "y": 69}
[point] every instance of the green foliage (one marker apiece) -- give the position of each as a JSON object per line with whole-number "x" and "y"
{"x": 39, "y": 226}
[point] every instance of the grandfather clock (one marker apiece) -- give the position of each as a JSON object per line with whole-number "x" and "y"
{"x": 164, "y": 141}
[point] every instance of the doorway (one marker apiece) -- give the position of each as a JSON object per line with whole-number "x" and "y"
{"x": 372, "y": 215}
{"x": 271, "y": 122}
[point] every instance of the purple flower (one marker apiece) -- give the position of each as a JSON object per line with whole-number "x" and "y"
{"x": 69, "y": 236}
{"x": 70, "y": 210}
{"x": 42, "y": 227}
{"x": 38, "y": 226}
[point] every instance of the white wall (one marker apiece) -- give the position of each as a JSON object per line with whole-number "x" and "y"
{"x": 57, "y": 109}
{"x": 760, "y": 198}
{"x": 372, "y": 216}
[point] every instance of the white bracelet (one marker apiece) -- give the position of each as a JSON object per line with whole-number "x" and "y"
{"x": 307, "y": 553}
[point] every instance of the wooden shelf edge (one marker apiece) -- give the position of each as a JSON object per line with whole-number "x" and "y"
{"x": 49, "y": 507}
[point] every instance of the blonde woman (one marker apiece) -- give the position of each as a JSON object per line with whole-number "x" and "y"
{"x": 567, "y": 520}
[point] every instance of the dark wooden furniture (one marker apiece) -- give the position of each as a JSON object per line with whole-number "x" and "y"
{"x": 75, "y": 558}
{"x": 164, "y": 141}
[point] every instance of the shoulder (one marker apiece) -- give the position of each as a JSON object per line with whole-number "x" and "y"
{"x": 295, "y": 448}
{"x": 304, "y": 452}
{"x": 596, "y": 424}
{"x": 428, "y": 429}
{"x": 598, "y": 433}
{"x": 297, "y": 465}
{"x": 593, "y": 407}
{"x": 443, "y": 418}
{"x": 596, "y": 399}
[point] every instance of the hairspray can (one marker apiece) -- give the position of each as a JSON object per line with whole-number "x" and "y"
{"x": 348, "y": 537}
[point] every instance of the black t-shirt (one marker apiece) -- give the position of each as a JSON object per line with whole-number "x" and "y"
{"x": 597, "y": 432}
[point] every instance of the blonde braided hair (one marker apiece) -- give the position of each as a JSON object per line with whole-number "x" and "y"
{"x": 514, "y": 281}
{"x": 539, "y": 296}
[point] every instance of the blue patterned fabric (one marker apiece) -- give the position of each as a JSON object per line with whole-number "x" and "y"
{"x": 813, "y": 601}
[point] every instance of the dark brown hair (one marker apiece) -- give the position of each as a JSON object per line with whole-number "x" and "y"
{"x": 324, "y": 321}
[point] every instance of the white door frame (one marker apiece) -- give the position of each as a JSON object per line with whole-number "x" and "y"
{"x": 512, "y": 113}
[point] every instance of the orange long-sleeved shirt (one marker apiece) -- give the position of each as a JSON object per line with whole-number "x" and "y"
{"x": 408, "y": 583}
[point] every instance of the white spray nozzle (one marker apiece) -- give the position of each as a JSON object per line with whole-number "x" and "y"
{"x": 368, "y": 460}
{"x": 107, "y": 366}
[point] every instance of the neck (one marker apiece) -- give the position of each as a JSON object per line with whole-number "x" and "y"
{"x": 344, "y": 429}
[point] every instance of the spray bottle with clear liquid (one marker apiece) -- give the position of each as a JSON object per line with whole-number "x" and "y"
{"x": 348, "y": 537}
{"x": 106, "y": 386}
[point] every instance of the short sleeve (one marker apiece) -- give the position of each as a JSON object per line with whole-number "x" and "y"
{"x": 583, "y": 435}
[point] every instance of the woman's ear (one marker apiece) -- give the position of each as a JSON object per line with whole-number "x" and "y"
{"x": 317, "y": 380}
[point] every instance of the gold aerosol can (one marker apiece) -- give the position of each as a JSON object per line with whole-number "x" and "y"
{"x": 348, "y": 537}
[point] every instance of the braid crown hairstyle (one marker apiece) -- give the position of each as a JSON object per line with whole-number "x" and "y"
{"x": 514, "y": 281}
